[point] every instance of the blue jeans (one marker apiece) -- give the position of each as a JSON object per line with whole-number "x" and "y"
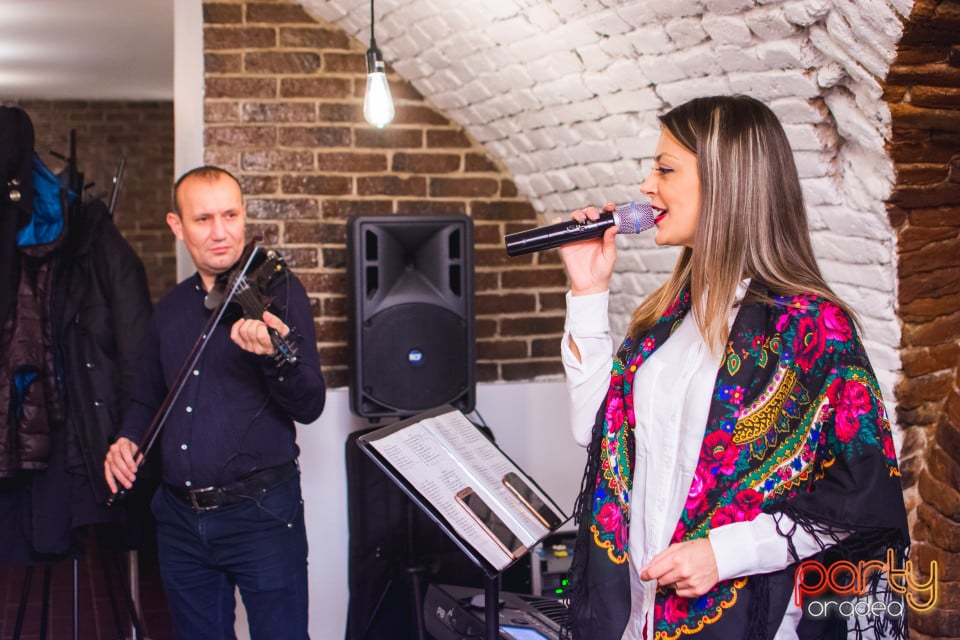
{"x": 258, "y": 545}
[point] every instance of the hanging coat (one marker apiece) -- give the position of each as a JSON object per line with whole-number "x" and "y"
{"x": 81, "y": 313}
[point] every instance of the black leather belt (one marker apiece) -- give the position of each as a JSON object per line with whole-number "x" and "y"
{"x": 215, "y": 497}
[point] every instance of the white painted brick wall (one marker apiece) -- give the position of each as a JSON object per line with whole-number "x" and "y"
{"x": 723, "y": 7}
{"x": 726, "y": 29}
{"x": 649, "y": 10}
{"x": 771, "y": 23}
{"x": 805, "y": 13}
{"x": 683, "y": 90}
{"x": 697, "y": 62}
{"x": 631, "y": 101}
{"x": 737, "y": 60}
{"x": 814, "y": 164}
{"x": 786, "y": 54}
{"x": 651, "y": 39}
{"x": 855, "y": 124}
{"x": 686, "y": 32}
{"x": 795, "y": 110}
{"x": 626, "y": 76}
{"x": 565, "y": 93}
{"x": 780, "y": 83}
{"x": 660, "y": 69}
{"x": 851, "y": 37}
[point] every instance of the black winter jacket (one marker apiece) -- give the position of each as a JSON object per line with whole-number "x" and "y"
{"x": 102, "y": 308}
{"x": 99, "y": 308}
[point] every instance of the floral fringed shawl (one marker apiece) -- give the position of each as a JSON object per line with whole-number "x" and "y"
{"x": 796, "y": 426}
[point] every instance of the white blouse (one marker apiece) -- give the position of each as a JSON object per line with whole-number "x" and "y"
{"x": 672, "y": 392}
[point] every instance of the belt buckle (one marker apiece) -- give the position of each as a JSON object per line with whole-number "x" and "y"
{"x": 196, "y": 505}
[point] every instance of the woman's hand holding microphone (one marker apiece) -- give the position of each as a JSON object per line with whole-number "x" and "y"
{"x": 589, "y": 263}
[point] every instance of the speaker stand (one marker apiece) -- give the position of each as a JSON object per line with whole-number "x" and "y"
{"x": 414, "y": 571}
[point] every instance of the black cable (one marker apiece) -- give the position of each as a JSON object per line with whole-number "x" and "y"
{"x": 373, "y": 42}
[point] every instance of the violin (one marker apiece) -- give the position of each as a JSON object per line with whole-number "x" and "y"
{"x": 250, "y": 299}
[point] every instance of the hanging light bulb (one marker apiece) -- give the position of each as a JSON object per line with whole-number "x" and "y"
{"x": 377, "y": 101}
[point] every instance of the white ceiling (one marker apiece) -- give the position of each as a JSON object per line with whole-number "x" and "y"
{"x": 86, "y": 49}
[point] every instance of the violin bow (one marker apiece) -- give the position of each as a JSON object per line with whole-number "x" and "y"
{"x": 150, "y": 436}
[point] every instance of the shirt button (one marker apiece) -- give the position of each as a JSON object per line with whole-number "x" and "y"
{"x": 196, "y": 372}
{"x": 189, "y": 409}
{"x": 89, "y": 365}
{"x": 184, "y": 446}
{"x": 188, "y": 484}
{"x": 279, "y": 378}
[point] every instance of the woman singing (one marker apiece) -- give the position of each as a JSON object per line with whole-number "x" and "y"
{"x": 740, "y": 427}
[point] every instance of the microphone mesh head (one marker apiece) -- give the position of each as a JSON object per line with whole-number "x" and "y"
{"x": 634, "y": 217}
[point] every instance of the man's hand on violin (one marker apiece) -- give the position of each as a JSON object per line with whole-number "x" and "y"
{"x": 253, "y": 336}
{"x": 120, "y": 465}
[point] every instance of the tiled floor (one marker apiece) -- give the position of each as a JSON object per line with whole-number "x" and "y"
{"x": 98, "y": 578}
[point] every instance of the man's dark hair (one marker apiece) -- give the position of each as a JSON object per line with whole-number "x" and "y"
{"x": 206, "y": 172}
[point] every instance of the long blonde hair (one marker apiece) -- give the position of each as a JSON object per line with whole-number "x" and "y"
{"x": 752, "y": 222}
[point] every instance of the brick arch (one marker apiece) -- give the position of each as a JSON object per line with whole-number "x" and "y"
{"x": 283, "y": 109}
{"x": 923, "y": 91}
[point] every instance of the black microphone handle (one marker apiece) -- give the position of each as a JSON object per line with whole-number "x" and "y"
{"x": 632, "y": 217}
{"x": 556, "y": 235}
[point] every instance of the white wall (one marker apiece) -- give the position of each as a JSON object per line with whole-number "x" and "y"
{"x": 187, "y": 101}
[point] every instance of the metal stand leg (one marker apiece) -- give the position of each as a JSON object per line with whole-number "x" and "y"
{"x": 76, "y": 599}
{"x": 127, "y": 591}
{"x": 416, "y": 573}
{"x": 491, "y": 606}
{"x": 133, "y": 571}
{"x": 45, "y": 607}
{"x": 22, "y": 609}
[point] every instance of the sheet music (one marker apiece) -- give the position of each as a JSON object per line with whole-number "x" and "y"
{"x": 444, "y": 454}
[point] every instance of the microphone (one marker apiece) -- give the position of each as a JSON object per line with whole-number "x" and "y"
{"x": 632, "y": 217}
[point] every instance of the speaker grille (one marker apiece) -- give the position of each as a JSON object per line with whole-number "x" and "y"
{"x": 410, "y": 357}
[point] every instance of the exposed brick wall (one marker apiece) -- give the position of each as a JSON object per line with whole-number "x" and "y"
{"x": 284, "y": 110}
{"x": 923, "y": 89}
{"x": 106, "y": 132}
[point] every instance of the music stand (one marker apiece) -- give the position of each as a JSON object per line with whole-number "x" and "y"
{"x": 493, "y": 511}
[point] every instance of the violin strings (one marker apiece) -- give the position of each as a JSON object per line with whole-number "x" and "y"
{"x": 252, "y": 303}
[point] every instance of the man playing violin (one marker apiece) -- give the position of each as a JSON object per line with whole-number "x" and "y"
{"x": 229, "y": 510}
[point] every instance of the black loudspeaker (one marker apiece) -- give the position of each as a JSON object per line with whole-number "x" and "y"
{"x": 411, "y": 314}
